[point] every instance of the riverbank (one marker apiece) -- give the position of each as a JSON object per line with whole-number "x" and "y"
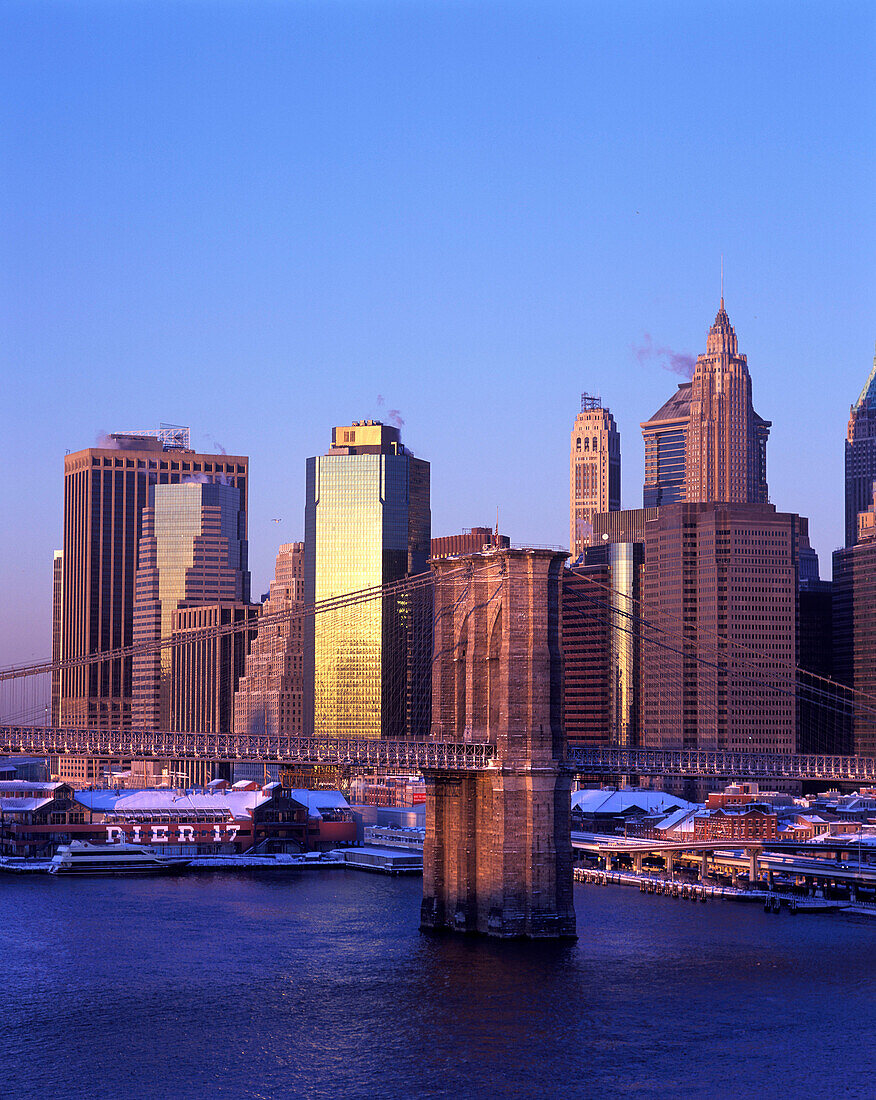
{"x": 703, "y": 892}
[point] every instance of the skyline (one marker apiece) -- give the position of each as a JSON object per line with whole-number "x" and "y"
{"x": 261, "y": 222}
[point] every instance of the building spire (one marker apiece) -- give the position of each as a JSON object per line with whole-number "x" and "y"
{"x": 722, "y": 280}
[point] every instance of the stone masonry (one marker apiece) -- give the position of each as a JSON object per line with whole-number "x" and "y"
{"x": 498, "y": 857}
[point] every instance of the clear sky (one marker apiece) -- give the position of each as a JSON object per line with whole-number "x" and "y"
{"x": 262, "y": 219}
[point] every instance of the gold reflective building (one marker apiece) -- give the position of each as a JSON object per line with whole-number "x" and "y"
{"x": 367, "y": 523}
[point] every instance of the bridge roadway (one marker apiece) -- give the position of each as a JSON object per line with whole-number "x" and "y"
{"x": 751, "y": 855}
{"x": 418, "y": 755}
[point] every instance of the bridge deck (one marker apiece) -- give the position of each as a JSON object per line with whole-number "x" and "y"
{"x": 417, "y": 755}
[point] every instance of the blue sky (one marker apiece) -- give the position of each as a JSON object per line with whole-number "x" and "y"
{"x": 259, "y": 218}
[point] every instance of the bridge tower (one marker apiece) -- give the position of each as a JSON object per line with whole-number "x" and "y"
{"x": 498, "y": 855}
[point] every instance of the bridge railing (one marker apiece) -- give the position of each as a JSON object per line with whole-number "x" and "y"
{"x": 146, "y": 744}
{"x": 705, "y": 763}
{"x": 419, "y": 755}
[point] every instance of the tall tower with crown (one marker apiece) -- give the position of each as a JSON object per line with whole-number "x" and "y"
{"x": 726, "y": 439}
{"x": 860, "y": 456}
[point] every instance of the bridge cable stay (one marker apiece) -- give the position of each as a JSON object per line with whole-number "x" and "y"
{"x": 863, "y": 703}
{"x": 824, "y": 695}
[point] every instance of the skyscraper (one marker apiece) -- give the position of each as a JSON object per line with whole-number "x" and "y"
{"x": 192, "y": 552}
{"x": 726, "y": 439}
{"x": 854, "y": 622}
{"x": 706, "y": 443}
{"x": 602, "y": 646}
{"x": 665, "y": 436}
{"x": 106, "y": 489}
{"x": 860, "y": 456}
{"x": 367, "y": 523}
{"x": 594, "y": 470}
{"x": 720, "y": 600}
{"x": 270, "y": 694}
{"x": 57, "y": 652}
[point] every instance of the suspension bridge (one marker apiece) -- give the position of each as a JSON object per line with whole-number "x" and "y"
{"x": 495, "y": 756}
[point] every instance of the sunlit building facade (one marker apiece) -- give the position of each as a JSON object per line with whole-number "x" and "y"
{"x": 192, "y": 552}
{"x": 270, "y": 695}
{"x": 367, "y": 523}
{"x": 726, "y": 440}
{"x": 106, "y": 489}
{"x": 594, "y": 470}
{"x": 706, "y": 443}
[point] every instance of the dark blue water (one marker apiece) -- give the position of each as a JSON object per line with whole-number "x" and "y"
{"x": 321, "y": 986}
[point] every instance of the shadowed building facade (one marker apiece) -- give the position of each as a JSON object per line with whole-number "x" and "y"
{"x": 367, "y": 523}
{"x": 497, "y": 857}
{"x": 602, "y": 646}
{"x": 854, "y": 623}
{"x": 860, "y": 467}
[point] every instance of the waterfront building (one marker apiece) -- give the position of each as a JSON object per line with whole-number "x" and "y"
{"x": 192, "y": 552}
{"x": 36, "y": 816}
{"x": 106, "y": 489}
{"x": 860, "y": 466}
{"x": 270, "y": 694}
{"x": 706, "y": 443}
{"x": 367, "y": 523}
{"x": 854, "y": 623}
{"x": 594, "y": 470}
{"x": 471, "y": 541}
{"x": 753, "y": 822}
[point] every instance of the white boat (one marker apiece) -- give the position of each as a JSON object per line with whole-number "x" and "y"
{"x": 82, "y": 858}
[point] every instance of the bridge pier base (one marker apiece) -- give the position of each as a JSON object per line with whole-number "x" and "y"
{"x": 498, "y": 853}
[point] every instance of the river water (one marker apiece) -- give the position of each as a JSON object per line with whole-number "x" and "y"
{"x": 320, "y": 985}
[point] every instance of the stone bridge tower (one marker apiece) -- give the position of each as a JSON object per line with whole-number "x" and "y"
{"x": 498, "y": 854}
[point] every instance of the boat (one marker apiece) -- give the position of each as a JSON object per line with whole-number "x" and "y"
{"x": 82, "y": 858}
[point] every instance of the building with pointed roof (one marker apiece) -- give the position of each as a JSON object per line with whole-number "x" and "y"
{"x": 706, "y": 444}
{"x": 860, "y": 456}
{"x": 726, "y": 439}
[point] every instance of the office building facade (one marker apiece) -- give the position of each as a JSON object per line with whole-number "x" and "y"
{"x": 105, "y": 491}
{"x": 594, "y": 470}
{"x": 602, "y": 645}
{"x": 367, "y": 523}
{"x": 854, "y": 625}
{"x": 270, "y": 695}
{"x": 192, "y": 552}
{"x": 720, "y": 648}
{"x": 860, "y": 457}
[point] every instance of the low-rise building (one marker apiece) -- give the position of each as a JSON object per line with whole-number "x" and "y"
{"x": 36, "y": 817}
{"x": 753, "y": 822}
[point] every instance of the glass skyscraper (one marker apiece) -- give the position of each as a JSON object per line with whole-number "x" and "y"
{"x": 192, "y": 553}
{"x": 861, "y": 456}
{"x": 367, "y": 523}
